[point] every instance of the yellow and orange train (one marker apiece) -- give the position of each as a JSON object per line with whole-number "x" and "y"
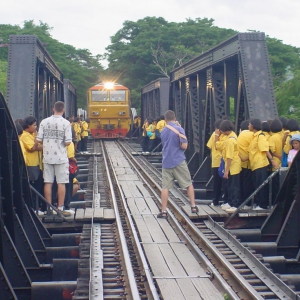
{"x": 109, "y": 110}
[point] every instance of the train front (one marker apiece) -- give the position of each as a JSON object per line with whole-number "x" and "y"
{"x": 109, "y": 110}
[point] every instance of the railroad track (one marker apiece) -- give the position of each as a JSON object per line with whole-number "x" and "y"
{"x": 244, "y": 270}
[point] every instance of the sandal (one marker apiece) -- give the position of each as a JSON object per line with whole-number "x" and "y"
{"x": 194, "y": 209}
{"x": 162, "y": 215}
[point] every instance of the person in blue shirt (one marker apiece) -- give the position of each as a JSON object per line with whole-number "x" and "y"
{"x": 174, "y": 164}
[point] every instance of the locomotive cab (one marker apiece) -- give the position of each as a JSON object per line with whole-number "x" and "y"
{"x": 109, "y": 110}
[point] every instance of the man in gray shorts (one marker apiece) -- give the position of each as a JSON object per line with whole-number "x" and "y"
{"x": 55, "y": 134}
{"x": 173, "y": 163}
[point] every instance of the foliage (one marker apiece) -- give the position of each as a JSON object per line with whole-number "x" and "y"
{"x": 288, "y": 97}
{"x": 78, "y": 65}
{"x": 150, "y": 48}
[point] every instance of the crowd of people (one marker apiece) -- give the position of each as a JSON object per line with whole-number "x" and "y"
{"x": 245, "y": 161}
{"x": 48, "y": 152}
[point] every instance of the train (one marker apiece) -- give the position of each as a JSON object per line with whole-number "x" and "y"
{"x": 109, "y": 110}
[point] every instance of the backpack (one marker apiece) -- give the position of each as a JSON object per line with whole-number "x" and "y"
{"x": 221, "y": 168}
{"x": 73, "y": 169}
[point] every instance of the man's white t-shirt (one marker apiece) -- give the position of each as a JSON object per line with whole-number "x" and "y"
{"x": 54, "y": 132}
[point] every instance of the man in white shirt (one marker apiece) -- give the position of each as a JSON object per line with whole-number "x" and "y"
{"x": 55, "y": 134}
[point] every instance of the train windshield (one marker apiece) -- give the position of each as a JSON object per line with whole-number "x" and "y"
{"x": 99, "y": 96}
{"x": 117, "y": 95}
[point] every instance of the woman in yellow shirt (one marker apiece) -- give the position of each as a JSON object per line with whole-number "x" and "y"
{"x": 151, "y": 128}
{"x": 230, "y": 155}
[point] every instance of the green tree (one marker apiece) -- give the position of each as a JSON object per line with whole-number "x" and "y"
{"x": 288, "y": 97}
{"x": 150, "y": 48}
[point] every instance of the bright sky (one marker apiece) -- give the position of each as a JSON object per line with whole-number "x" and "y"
{"x": 90, "y": 24}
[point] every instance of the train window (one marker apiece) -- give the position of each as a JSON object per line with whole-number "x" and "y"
{"x": 117, "y": 95}
{"x": 99, "y": 96}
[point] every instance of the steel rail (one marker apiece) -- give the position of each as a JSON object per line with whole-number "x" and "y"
{"x": 155, "y": 172}
{"x": 227, "y": 288}
{"x": 96, "y": 258}
{"x": 137, "y": 242}
{"x": 277, "y": 286}
{"x": 129, "y": 268}
{"x": 284, "y": 293}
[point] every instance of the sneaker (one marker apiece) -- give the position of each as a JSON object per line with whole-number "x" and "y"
{"x": 147, "y": 153}
{"x": 225, "y": 206}
{"x": 211, "y": 205}
{"x": 258, "y": 208}
{"x": 143, "y": 153}
{"x": 65, "y": 213}
{"x": 231, "y": 210}
{"x": 246, "y": 207}
{"x": 39, "y": 213}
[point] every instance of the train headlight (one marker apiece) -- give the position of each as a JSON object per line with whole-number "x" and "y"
{"x": 109, "y": 85}
{"x": 95, "y": 113}
{"x": 122, "y": 113}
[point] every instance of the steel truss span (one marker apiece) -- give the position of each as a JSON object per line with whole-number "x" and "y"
{"x": 34, "y": 81}
{"x": 233, "y": 79}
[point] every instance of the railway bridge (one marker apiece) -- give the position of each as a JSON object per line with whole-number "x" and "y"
{"x": 114, "y": 247}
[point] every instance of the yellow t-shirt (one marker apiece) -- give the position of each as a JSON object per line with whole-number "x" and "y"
{"x": 267, "y": 135}
{"x": 220, "y": 142}
{"x": 85, "y": 129}
{"x": 70, "y": 150}
{"x": 145, "y": 127}
{"x": 77, "y": 129}
{"x": 287, "y": 146}
{"x": 231, "y": 151}
{"x": 151, "y": 128}
{"x": 160, "y": 125}
{"x": 32, "y": 158}
{"x": 257, "y": 151}
{"x": 275, "y": 144}
{"x": 23, "y": 150}
{"x": 215, "y": 154}
{"x": 244, "y": 139}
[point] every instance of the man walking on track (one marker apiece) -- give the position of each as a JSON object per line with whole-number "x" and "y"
{"x": 55, "y": 134}
{"x": 174, "y": 165}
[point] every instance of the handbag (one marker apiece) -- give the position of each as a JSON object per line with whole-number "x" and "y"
{"x": 33, "y": 172}
{"x": 73, "y": 169}
{"x": 149, "y": 134}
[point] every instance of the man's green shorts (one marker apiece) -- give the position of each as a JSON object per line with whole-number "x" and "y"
{"x": 181, "y": 173}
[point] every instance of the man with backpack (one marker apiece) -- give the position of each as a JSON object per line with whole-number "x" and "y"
{"x": 174, "y": 165}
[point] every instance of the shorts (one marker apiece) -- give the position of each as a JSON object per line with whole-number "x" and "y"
{"x": 181, "y": 173}
{"x": 61, "y": 172}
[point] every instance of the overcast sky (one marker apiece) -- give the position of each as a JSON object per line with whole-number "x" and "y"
{"x": 90, "y": 24}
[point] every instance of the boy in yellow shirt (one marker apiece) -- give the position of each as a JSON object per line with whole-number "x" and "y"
{"x": 215, "y": 163}
{"x": 230, "y": 155}
{"x": 244, "y": 139}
